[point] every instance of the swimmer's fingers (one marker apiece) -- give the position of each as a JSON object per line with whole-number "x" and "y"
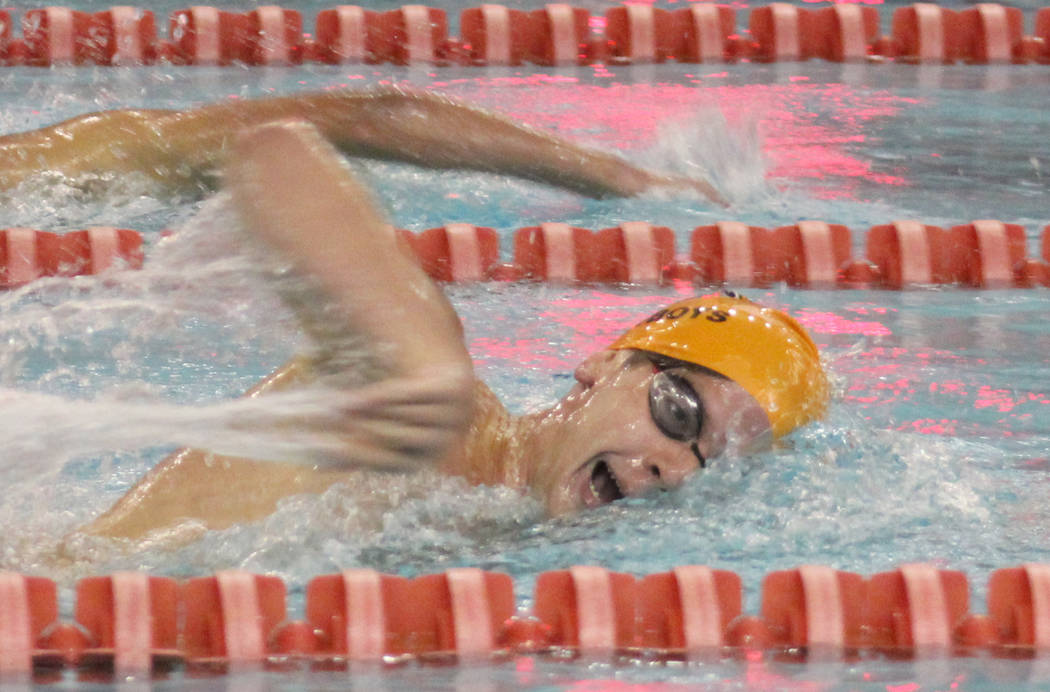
{"x": 708, "y": 190}
{"x": 427, "y": 428}
{"x": 379, "y": 444}
{"x": 398, "y": 444}
{"x": 376, "y": 457}
{"x": 323, "y": 441}
{"x": 401, "y": 422}
{"x": 417, "y": 415}
{"x": 694, "y": 185}
{"x": 433, "y": 388}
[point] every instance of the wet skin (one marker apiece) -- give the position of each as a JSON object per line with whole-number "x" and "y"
{"x": 601, "y": 442}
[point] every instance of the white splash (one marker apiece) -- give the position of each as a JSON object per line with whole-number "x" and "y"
{"x": 103, "y": 347}
{"x": 730, "y": 156}
{"x": 41, "y": 432}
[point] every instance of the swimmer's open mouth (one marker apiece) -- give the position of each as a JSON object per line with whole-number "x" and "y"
{"x": 604, "y": 484}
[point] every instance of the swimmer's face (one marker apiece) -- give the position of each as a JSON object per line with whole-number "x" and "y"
{"x": 629, "y": 427}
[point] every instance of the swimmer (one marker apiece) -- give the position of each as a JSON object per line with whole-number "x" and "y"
{"x": 704, "y": 377}
{"x": 183, "y": 151}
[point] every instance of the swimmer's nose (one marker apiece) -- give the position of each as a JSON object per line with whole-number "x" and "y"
{"x": 657, "y": 472}
{"x": 670, "y": 472}
{"x": 584, "y": 377}
{"x": 590, "y": 371}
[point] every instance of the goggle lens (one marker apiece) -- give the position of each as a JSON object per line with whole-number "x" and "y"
{"x": 675, "y": 407}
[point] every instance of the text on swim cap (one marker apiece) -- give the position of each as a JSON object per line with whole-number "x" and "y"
{"x": 714, "y": 315}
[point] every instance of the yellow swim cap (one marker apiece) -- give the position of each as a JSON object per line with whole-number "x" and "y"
{"x": 763, "y": 350}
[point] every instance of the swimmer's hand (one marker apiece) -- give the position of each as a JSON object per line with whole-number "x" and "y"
{"x": 396, "y": 424}
{"x": 401, "y": 422}
{"x": 655, "y": 181}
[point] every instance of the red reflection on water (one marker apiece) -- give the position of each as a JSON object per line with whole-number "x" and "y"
{"x": 1006, "y": 400}
{"x": 873, "y": 309}
{"x": 949, "y": 387}
{"x": 815, "y": 142}
{"x": 909, "y": 687}
{"x": 930, "y": 426}
{"x": 525, "y": 667}
{"x": 758, "y": 676}
{"x": 583, "y": 325}
{"x": 810, "y": 130}
{"x": 831, "y": 323}
{"x": 528, "y": 352}
{"x": 620, "y": 686}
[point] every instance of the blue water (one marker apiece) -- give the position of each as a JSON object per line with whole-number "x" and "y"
{"x": 937, "y": 447}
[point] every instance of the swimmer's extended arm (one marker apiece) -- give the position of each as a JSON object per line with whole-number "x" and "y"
{"x": 436, "y": 131}
{"x": 186, "y": 148}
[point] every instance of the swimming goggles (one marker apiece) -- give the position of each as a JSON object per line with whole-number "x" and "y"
{"x": 676, "y": 409}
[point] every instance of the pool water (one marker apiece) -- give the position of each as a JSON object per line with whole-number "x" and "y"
{"x": 937, "y": 447}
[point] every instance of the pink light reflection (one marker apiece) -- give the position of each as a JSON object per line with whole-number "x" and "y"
{"x": 1004, "y": 401}
{"x": 873, "y": 309}
{"x": 930, "y": 426}
{"x": 757, "y": 676}
{"x": 909, "y": 687}
{"x": 831, "y": 323}
{"x": 620, "y": 686}
{"x": 949, "y": 387}
{"x": 591, "y": 322}
{"x": 800, "y": 143}
{"x": 527, "y": 352}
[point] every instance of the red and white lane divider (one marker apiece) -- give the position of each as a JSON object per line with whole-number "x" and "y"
{"x": 984, "y": 253}
{"x": 812, "y": 254}
{"x": 134, "y": 623}
{"x": 27, "y": 254}
{"x": 558, "y": 34}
